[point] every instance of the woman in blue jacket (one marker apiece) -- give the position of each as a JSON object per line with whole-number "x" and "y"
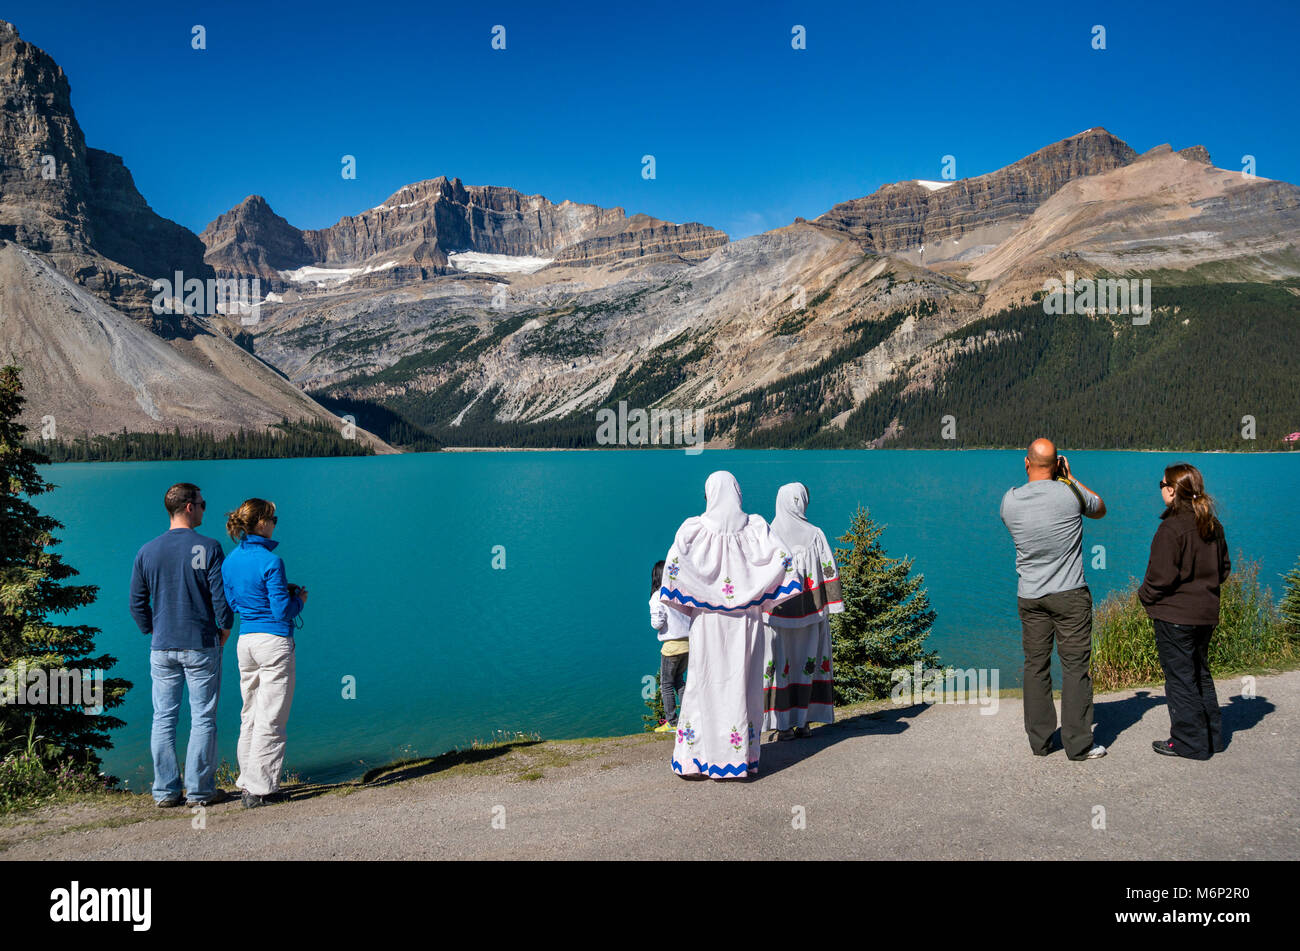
{"x": 257, "y": 590}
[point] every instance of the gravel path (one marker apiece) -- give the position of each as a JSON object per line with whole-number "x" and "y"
{"x": 925, "y": 782}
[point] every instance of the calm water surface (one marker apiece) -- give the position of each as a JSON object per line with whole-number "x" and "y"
{"x": 398, "y": 551}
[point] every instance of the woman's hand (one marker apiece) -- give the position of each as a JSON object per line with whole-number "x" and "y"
{"x": 302, "y": 595}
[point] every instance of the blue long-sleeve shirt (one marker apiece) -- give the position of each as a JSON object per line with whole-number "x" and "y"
{"x": 258, "y": 590}
{"x": 177, "y": 591}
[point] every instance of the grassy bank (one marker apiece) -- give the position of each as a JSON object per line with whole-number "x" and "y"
{"x": 34, "y": 774}
{"x": 1252, "y": 635}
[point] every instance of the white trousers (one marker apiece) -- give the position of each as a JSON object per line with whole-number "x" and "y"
{"x": 266, "y": 678}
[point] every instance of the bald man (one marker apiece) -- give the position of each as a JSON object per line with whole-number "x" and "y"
{"x": 1045, "y": 518}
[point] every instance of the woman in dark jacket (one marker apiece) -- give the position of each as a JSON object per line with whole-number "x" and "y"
{"x": 1189, "y": 561}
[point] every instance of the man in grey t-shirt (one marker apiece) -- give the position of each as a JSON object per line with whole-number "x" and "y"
{"x": 1045, "y": 518}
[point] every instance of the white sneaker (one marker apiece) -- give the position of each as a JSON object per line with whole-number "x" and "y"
{"x": 1097, "y": 752}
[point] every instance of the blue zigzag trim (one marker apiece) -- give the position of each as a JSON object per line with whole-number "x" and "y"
{"x": 728, "y": 770}
{"x": 794, "y": 585}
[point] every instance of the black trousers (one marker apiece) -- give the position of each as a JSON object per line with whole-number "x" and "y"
{"x": 672, "y": 680}
{"x": 1065, "y": 617}
{"x": 1195, "y": 723}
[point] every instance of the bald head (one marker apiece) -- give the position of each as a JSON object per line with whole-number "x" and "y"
{"x": 1041, "y": 458}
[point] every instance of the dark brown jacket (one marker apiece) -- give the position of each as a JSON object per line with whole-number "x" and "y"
{"x": 1184, "y": 572}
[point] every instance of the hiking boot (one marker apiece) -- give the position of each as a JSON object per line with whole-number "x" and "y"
{"x": 1164, "y": 747}
{"x": 802, "y": 732}
{"x": 171, "y": 802}
{"x": 251, "y": 801}
{"x": 219, "y": 796}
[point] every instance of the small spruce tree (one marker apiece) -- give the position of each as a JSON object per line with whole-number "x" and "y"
{"x": 886, "y": 616}
{"x": 31, "y": 587}
{"x": 655, "y": 705}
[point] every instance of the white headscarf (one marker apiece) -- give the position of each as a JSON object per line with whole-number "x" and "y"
{"x": 813, "y": 559}
{"x": 789, "y": 523}
{"x": 722, "y": 511}
{"x": 725, "y": 561}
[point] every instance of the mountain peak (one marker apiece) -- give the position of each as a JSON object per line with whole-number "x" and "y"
{"x": 88, "y": 216}
{"x": 956, "y": 218}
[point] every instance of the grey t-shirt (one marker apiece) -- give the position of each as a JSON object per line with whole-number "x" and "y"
{"x": 1046, "y": 524}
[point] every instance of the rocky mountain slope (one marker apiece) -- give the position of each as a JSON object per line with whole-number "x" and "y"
{"x": 91, "y": 369}
{"x": 782, "y": 336}
{"x": 484, "y": 315}
{"x": 1167, "y": 213}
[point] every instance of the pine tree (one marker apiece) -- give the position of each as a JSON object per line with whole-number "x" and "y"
{"x": 1291, "y": 601}
{"x": 886, "y": 616}
{"x": 31, "y": 587}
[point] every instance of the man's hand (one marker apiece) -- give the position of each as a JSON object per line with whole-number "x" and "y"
{"x": 225, "y": 635}
{"x": 1063, "y": 466}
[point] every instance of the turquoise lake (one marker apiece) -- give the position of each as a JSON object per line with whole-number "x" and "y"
{"x": 398, "y": 554}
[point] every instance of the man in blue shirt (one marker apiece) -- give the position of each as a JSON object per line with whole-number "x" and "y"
{"x": 177, "y": 597}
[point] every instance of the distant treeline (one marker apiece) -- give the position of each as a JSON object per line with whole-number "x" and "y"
{"x": 283, "y": 440}
{"x": 1211, "y": 356}
{"x": 389, "y": 426}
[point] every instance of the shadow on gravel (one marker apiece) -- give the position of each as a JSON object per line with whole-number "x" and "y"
{"x": 1111, "y": 718}
{"x": 1242, "y": 713}
{"x": 778, "y": 756}
{"x": 406, "y": 770}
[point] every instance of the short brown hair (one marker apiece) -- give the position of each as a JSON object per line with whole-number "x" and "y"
{"x": 179, "y": 496}
{"x": 246, "y": 518}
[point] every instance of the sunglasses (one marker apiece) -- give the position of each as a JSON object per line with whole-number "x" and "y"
{"x": 201, "y": 503}
{"x": 1166, "y": 485}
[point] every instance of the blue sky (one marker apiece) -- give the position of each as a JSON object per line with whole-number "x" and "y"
{"x": 746, "y": 132}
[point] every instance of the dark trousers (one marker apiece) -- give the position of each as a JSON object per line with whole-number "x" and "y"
{"x": 672, "y": 678}
{"x": 1195, "y": 723}
{"x": 1065, "y": 616}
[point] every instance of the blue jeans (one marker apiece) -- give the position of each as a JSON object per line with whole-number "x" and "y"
{"x": 172, "y": 670}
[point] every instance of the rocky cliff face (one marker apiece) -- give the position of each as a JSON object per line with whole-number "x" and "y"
{"x": 78, "y": 248}
{"x": 77, "y": 204}
{"x": 974, "y": 212}
{"x": 410, "y": 236}
{"x": 1166, "y": 212}
{"x": 642, "y": 239}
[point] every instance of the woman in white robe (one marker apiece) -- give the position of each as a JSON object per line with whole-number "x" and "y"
{"x": 724, "y": 567}
{"x": 798, "y": 681}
